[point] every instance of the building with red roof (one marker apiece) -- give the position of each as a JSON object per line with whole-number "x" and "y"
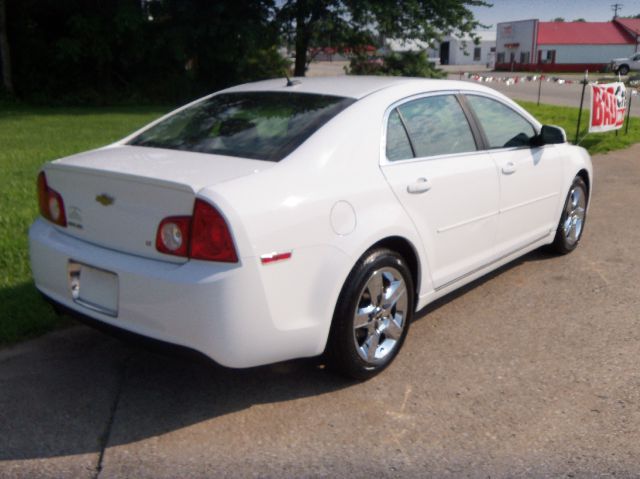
{"x": 564, "y": 46}
{"x": 631, "y": 25}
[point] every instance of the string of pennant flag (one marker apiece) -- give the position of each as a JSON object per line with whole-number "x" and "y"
{"x": 512, "y": 80}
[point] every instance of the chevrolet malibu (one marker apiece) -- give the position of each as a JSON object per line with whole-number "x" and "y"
{"x": 291, "y": 218}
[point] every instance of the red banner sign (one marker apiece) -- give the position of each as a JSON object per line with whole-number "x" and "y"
{"x": 608, "y": 105}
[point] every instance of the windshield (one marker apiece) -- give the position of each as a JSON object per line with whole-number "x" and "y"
{"x": 256, "y": 125}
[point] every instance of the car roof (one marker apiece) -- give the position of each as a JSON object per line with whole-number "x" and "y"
{"x": 352, "y": 86}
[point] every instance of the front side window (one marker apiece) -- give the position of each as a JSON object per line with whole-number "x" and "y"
{"x": 437, "y": 126}
{"x": 256, "y": 125}
{"x": 502, "y": 126}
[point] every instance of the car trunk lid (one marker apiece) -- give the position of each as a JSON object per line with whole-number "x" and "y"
{"x": 117, "y": 196}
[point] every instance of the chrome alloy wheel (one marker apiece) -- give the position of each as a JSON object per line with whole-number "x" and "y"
{"x": 380, "y": 316}
{"x": 575, "y": 213}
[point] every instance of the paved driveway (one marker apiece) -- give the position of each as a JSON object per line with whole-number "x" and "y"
{"x": 533, "y": 371}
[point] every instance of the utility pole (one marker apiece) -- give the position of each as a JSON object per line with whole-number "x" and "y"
{"x": 615, "y": 7}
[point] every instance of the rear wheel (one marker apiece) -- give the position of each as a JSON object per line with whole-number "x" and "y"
{"x": 372, "y": 316}
{"x": 573, "y": 218}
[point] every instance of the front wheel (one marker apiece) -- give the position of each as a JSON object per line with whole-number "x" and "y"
{"x": 372, "y": 316}
{"x": 574, "y": 215}
{"x": 623, "y": 69}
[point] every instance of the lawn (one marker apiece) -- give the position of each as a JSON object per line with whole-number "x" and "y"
{"x": 567, "y": 118}
{"x": 29, "y": 137}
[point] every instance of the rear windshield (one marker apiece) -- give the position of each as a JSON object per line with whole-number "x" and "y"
{"x": 257, "y": 125}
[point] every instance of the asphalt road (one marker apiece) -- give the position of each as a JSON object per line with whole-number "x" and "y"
{"x": 531, "y": 372}
{"x": 551, "y": 93}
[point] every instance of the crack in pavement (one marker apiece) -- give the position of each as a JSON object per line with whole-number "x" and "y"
{"x": 106, "y": 435}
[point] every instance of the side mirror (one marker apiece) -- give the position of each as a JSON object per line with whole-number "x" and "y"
{"x": 549, "y": 135}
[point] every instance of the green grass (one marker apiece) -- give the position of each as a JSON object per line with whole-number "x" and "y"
{"x": 28, "y": 138}
{"x": 567, "y": 118}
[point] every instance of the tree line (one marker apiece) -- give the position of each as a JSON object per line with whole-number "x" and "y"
{"x": 110, "y": 51}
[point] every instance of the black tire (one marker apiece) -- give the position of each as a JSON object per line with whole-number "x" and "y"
{"x": 623, "y": 69}
{"x": 349, "y": 340}
{"x": 566, "y": 241}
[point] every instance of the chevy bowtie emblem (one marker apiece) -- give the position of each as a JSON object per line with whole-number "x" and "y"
{"x": 105, "y": 200}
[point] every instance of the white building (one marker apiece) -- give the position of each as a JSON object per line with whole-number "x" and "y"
{"x": 453, "y": 50}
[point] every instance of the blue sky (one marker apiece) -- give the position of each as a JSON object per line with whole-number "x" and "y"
{"x": 546, "y": 10}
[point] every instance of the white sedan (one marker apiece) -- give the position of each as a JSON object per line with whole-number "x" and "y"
{"x": 286, "y": 219}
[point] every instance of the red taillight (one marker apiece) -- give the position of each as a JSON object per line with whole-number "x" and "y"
{"x": 173, "y": 235}
{"x": 50, "y": 202}
{"x": 205, "y": 235}
{"x": 210, "y": 235}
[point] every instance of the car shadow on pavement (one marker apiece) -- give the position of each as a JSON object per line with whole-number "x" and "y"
{"x": 77, "y": 390}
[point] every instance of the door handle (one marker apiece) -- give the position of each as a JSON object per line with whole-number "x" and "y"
{"x": 420, "y": 186}
{"x": 509, "y": 168}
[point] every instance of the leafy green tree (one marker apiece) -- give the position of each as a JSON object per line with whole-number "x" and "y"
{"x": 409, "y": 64}
{"x": 99, "y": 51}
{"x": 5, "y": 56}
{"x": 221, "y": 43}
{"x": 349, "y": 23}
{"x": 96, "y": 51}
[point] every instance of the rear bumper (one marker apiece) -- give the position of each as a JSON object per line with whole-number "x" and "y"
{"x": 154, "y": 345}
{"x": 220, "y": 310}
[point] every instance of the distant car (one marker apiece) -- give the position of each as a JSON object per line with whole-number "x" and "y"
{"x": 624, "y": 65}
{"x": 284, "y": 219}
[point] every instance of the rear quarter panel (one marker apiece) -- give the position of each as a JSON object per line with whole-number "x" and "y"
{"x": 288, "y": 208}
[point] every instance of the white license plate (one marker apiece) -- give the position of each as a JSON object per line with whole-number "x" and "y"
{"x": 93, "y": 288}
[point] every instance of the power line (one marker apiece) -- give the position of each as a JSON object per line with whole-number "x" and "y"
{"x": 615, "y": 7}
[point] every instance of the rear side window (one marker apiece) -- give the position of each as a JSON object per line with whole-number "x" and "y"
{"x": 398, "y": 144}
{"x": 502, "y": 126}
{"x": 436, "y": 125}
{"x": 256, "y": 125}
